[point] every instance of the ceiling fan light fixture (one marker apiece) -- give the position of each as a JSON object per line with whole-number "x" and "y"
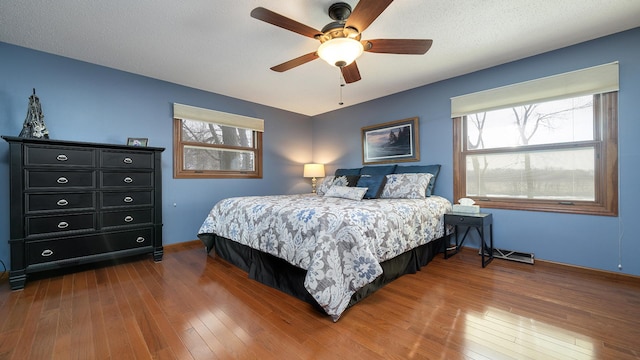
{"x": 340, "y": 52}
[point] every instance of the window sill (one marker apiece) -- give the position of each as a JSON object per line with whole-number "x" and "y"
{"x": 585, "y": 208}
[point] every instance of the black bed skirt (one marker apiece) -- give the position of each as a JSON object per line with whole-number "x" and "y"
{"x": 281, "y": 275}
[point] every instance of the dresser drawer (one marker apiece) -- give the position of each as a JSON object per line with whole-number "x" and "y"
{"x": 126, "y": 159}
{"x": 40, "y": 225}
{"x": 126, "y": 198}
{"x": 126, "y": 217}
{"x": 58, "y": 156}
{"x": 126, "y": 179}
{"x": 60, "y": 201}
{"x": 44, "y": 251}
{"x": 60, "y": 179}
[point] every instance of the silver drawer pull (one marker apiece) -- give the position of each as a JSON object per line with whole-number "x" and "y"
{"x": 128, "y": 218}
{"x": 62, "y": 180}
{"x": 140, "y": 239}
{"x": 63, "y": 225}
{"x": 47, "y": 252}
{"x": 127, "y": 160}
{"x": 128, "y": 199}
{"x": 128, "y": 180}
{"x": 62, "y": 157}
{"x": 62, "y": 202}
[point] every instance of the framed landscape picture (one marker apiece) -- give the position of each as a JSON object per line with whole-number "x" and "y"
{"x": 394, "y": 141}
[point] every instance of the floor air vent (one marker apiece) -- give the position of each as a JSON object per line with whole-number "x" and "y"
{"x": 513, "y": 256}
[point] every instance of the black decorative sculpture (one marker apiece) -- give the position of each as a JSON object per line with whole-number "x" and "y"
{"x": 34, "y": 126}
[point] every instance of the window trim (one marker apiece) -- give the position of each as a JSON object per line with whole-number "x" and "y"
{"x": 606, "y": 196}
{"x": 178, "y": 157}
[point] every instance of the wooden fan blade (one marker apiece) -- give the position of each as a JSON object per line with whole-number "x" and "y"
{"x": 365, "y": 12}
{"x": 397, "y": 46}
{"x": 288, "y": 65}
{"x": 350, "y": 73}
{"x": 284, "y": 22}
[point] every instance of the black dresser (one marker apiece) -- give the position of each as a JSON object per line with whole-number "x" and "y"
{"x": 73, "y": 203}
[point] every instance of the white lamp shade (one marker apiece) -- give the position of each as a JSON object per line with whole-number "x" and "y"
{"x": 340, "y": 51}
{"x": 313, "y": 170}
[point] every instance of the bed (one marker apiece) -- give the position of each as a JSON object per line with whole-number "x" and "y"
{"x": 331, "y": 249}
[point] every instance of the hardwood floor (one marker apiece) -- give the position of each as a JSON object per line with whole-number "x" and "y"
{"x": 192, "y": 306}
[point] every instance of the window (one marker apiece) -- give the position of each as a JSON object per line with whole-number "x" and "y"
{"x": 547, "y": 155}
{"x": 211, "y": 144}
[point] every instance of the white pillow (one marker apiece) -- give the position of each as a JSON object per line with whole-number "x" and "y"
{"x": 406, "y": 186}
{"x": 346, "y": 192}
{"x": 324, "y": 185}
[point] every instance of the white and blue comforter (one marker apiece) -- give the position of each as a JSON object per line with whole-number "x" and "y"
{"x": 339, "y": 242}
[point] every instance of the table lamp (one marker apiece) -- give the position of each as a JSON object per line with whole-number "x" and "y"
{"x": 313, "y": 171}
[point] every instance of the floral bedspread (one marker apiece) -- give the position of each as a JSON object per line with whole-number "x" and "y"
{"x": 339, "y": 242}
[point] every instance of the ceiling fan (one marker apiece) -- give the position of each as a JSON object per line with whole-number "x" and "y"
{"x": 340, "y": 40}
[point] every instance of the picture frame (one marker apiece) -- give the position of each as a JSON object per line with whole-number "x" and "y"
{"x": 137, "y": 141}
{"x": 393, "y": 141}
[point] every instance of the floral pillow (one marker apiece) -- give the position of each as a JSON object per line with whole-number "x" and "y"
{"x": 324, "y": 185}
{"x": 346, "y": 180}
{"x": 406, "y": 186}
{"x": 346, "y": 192}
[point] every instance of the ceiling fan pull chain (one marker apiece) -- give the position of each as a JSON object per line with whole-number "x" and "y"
{"x": 341, "y": 83}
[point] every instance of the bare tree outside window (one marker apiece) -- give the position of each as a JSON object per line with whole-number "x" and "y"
{"x": 548, "y": 152}
{"x": 214, "y": 150}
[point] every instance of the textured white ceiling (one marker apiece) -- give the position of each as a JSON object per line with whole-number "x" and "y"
{"x": 214, "y": 45}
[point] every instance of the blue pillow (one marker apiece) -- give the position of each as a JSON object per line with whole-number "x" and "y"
{"x": 431, "y": 169}
{"x": 378, "y": 170}
{"x": 341, "y": 172}
{"x": 374, "y": 183}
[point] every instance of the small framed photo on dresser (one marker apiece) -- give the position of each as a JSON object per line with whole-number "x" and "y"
{"x": 137, "y": 141}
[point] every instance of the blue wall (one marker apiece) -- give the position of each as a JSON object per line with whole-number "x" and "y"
{"x": 583, "y": 240}
{"x": 86, "y": 102}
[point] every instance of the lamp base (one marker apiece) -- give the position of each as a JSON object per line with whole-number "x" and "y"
{"x": 313, "y": 185}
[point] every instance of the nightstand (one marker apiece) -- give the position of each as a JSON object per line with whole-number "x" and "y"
{"x": 470, "y": 221}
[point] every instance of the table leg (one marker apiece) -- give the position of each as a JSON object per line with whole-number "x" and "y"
{"x": 484, "y": 246}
